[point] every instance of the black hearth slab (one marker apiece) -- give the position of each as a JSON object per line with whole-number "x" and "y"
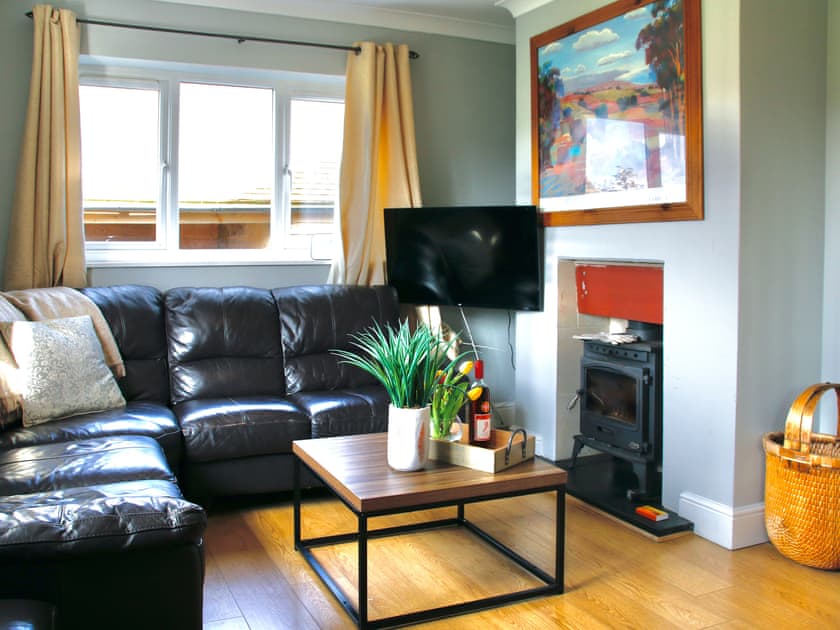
{"x": 604, "y": 484}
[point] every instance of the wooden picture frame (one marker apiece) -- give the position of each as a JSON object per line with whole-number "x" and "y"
{"x": 616, "y": 115}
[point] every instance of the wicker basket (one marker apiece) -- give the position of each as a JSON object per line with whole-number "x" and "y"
{"x": 802, "y": 485}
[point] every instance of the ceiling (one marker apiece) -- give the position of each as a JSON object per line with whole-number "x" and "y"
{"x": 475, "y": 19}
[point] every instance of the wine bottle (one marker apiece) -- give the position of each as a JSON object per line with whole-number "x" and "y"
{"x": 480, "y": 416}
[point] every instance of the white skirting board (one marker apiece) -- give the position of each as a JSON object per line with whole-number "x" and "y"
{"x": 729, "y": 527}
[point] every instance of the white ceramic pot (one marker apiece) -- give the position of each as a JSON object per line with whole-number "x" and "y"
{"x": 408, "y": 438}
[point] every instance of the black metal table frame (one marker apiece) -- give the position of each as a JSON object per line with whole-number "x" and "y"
{"x": 553, "y": 584}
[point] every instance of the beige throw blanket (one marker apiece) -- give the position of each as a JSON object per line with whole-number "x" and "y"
{"x": 9, "y": 399}
{"x": 59, "y": 302}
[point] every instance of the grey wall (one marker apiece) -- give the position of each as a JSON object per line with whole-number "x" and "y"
{"x": 700, "y": 277}
{"x": 742, "y": 288}
{"x": 264, "y": 276}
{"x": 831, "y": 292}
{"x": 463, "y": 89}
{"x": 15, "y": 66}
{"x": 463, "y": 101}
{"x": 782, "y": 220}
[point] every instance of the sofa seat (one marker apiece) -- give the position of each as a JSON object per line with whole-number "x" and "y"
{"x": 138, "y": 417}
{"x": 111, "y": 517}
{"x": 96, "y": 495}
{"x": 363, "y": 409}
{"x": 229, "y": 428}
{"x": 62, "y": 465}
{"x": 92, "y": 526}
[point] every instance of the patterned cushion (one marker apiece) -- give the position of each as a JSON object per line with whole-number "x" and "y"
{"x": 61, "y": 369}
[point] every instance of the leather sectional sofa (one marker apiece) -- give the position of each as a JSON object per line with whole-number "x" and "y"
{"x": 101, "y": 514}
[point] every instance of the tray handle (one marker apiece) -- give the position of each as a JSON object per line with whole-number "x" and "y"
{"x": 510, "y": 444}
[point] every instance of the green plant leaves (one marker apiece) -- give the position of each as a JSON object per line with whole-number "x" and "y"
{"x": 406, "y": 362}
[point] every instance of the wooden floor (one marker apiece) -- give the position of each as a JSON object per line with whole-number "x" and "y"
{"x": 615, "y": 577}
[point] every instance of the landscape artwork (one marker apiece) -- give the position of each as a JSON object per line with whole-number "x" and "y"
{"x": 610, "y": 120}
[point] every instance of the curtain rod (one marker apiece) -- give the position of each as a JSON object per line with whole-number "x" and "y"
{"x": 239, "y": 38}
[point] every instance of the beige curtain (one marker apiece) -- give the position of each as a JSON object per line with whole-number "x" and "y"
{"x": 46, "y": 241}
{"x": 379, "y": 162}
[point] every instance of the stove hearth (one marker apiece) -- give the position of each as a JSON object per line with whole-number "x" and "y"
{"x": 620, "y": 402}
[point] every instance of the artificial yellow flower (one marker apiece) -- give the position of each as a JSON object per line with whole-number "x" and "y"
{"x": 475, "y": 392}
{"x": 450, "y": 393}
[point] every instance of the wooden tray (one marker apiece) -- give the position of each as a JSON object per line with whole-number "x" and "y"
{"x": 505, "y": 449}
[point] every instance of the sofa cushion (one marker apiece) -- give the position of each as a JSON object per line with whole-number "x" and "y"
{"x": 227, "y": 428}
{"x": 223, "y": 342}
{"x": 111, "y": 517}
{"x": 345, "y": 412}
{"x": 314, "y": 320}
{"x": 135, "y": 315}
{"x": 61, "y": 369}
{"x": 60, "y": 465}
{"x": 45, "y": 303}
{"x": 137, "y": 418}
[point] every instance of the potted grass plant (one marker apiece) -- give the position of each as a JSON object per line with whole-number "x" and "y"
{"x": 407, "y": 363}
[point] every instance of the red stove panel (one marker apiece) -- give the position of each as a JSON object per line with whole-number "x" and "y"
{"x": 623, "y": 291}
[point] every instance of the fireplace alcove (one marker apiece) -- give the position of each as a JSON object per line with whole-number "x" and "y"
{"x": 618, "y": 399}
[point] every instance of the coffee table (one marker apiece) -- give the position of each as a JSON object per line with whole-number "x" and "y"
{"x": 355, "y": 469}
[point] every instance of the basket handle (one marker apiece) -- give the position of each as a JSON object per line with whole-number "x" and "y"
{"x": 800, "y": 418}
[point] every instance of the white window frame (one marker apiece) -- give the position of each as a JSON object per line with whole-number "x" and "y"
{"x": 285, "y": 244}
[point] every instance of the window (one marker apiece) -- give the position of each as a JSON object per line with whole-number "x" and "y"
{"x": 121, "y": 187}
{"x": 314, "y": 163}
{"x": 208, "y": 166}
{"x": 225, "y": 166}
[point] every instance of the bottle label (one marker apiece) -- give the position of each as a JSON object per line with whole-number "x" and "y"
{"x": 482, "y": 427}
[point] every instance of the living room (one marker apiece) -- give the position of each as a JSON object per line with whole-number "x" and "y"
{"x": 738, "y": 284}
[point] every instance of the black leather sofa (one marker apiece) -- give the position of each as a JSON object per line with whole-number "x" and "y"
{"x": 100, "y": 514}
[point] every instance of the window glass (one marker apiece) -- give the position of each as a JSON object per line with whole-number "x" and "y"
{"x": 225, "y": 166}
{"x": 121, "y": 166}
{"x": 315, "y": 153}
{"x": 208, "y": 165}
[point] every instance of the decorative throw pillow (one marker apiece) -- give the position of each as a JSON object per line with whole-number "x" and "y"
{"x": 61, "y": 369}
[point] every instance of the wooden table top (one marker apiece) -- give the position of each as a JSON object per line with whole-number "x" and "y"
{"x": 356, "y": 467}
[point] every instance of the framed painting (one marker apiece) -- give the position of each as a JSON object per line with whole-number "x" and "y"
{"x": 616, "y": 115}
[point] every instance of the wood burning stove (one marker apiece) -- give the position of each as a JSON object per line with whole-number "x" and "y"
{"x": 621, "y": 407}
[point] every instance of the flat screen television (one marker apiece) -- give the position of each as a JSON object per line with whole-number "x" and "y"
{"x": 473, "y": 256}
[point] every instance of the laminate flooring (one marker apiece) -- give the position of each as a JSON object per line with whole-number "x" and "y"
{"x": 615, "y": 576}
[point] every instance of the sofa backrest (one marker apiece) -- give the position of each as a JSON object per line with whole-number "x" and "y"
{"x": 135, "y": 315}
{"x": 223, "y": 342}
{"x": 317, "y": 319}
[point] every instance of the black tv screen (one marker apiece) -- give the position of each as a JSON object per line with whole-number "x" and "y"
{"x": 482, "y": 256}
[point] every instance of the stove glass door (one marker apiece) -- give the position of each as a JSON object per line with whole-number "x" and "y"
{"x": 612, "y": 394}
